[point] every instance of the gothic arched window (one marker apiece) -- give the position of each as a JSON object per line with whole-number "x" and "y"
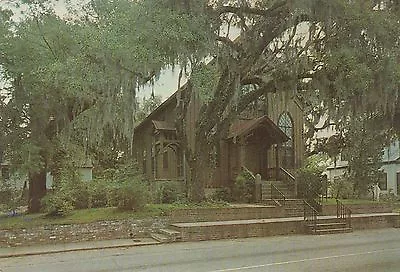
{"x": 285, "y": 123}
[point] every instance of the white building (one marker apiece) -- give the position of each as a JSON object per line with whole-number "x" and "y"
{"x": 391, "y": 169}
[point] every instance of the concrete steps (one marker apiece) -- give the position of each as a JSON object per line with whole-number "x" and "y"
{"x": 167, "y": 235}
{"x": 286, "y": 189}
{"x": 331, "y": 226}
{"x": 294, "y": 207}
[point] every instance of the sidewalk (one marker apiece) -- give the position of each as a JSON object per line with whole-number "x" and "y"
{"x": 68, "y": 247}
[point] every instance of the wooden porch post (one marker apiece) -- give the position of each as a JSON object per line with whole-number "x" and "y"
{"x": 277, "y": 161}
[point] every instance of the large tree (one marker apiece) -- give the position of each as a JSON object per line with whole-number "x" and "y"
{"x": 75, "y": 79}
{"x": 337, "y": 54}
{"x": 345, "y": 64}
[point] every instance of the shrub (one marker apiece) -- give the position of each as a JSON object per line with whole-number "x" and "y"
{"x": 98, "y": 193}
{"x": 130, "y": 194}
{"x": 60, "y": 202}
{"x": 389, "y": 196}
{"x": 69, "y": 193}
{"x": 341, "y": 187}
{"x": 10, "y": 193}
{"x": 244, "y": 187}
{"x": 222, "y": 194}
{"x": 310, "y": 181}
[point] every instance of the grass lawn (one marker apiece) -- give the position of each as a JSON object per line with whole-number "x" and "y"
{"x": 93, "y": 215}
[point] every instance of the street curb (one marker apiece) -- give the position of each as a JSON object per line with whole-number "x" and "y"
{"x": 13, "y": 255}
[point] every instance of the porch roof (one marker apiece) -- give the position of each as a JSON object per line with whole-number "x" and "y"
{"x": 243, "y": 127}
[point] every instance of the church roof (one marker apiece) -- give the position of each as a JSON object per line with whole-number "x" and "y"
{"x": 243, "y": 127}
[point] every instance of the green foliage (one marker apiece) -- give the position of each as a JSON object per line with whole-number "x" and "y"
{"x": 365, "y": 142}
{"x": 310, "y": 181}
{"x": 99, "y": 191}
{"x": 222, "y": 194}
{"x": 130, "y": 194}
{"x": 389, "y": 196}
{"x": 121, "y": 187}
{"x": 342, "y": 188}
{"x": 11, "y": 192}
{"x": 69, "y": 193}
{"x": 168, "y": 192}
{"x": 204, "y": 79}
{"x": 147, "y": 106}
{"x": 244, "y": 187}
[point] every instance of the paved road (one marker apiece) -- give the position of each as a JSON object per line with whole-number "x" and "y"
{"x": 377, "y": 250}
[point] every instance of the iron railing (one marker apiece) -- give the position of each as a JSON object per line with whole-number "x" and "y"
{"x": 276, "y": 194}
{"x": 343, "y": 212}
{"x": 283, "y": 175}
{"x": 310, "y": 216}
{"x": 313, "y": 198}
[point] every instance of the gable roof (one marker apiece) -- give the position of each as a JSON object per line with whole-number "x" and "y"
{"x": 243, "y": 127}
{"x": 160, "y": 108}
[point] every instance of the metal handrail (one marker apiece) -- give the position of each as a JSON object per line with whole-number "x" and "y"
{"x": 273, "y": 190}
{"x": 343, "y": 212}
{"x": 288, "y": 178}
{"x": 244, "y": 168}
{"x": 287, "y": 173}
{"x": 317, "y": 200}
{"x": 310, "y": 214}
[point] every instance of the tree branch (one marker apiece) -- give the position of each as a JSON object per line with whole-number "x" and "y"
{"x": 273, "y": 10}
{"x": 231, "y": 44}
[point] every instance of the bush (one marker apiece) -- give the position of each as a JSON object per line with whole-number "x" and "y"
{"x": 60, "y": 202}
{"x": 11, "y": 195}
{"x": 222, "y": 194}
{"x": 244, "y": 187}
{"x": 169, "y": 192}
{"x": 130, "y": 194}
{"x": 69, "y": 193}
{"x": 389, "y": 196}
{"x": 310, "y": 181}
{"x": 342, "y": 187}
{"x": 98, "y": 193}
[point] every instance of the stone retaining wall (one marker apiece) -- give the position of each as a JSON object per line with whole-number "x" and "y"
{"x": 263, "y": 228}
{"x": 228, "y": 213}
{"x": 104, "y": 230}
{"x": 376, "y": 222}
{"x": 359, "y": 208}
{"x": 235, "y": 230}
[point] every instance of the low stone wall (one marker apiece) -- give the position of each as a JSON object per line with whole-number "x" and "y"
{"x": 228, "y": 213}
{"x": 104, "y": 230}
{"x": 263, "y": 228}
{"x": 240, "y": 230}
{"x": 359, "y": 208}
{"x": 375, "y": 222}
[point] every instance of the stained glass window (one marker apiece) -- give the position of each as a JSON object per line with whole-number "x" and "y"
{"x": 285, "y": 123}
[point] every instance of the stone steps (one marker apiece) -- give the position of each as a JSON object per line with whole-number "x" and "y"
{"x": 333, "y": 231}
{"x": 167, "y": 235}
{"x": 331, "y": 226}
{"x": 286, "y": 189}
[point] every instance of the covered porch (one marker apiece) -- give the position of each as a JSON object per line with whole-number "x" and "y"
{"x": 249, "y": 142}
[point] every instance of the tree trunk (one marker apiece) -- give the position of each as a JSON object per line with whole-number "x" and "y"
{"x": 201, "y": 169}
{"x": 37, "y": 190}
{"x": 196, "y": 183}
